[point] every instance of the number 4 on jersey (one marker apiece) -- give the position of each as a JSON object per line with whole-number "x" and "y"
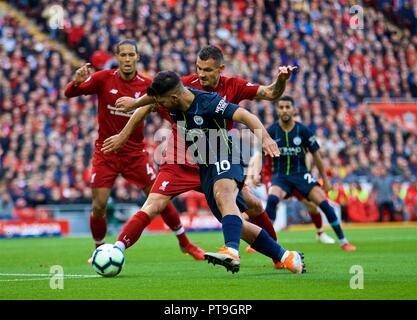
{"x": 149, "y": 170}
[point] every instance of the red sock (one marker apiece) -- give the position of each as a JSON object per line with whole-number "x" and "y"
{"x": 98, "y": 226}
{"x": 264, "y": 222}
{"x": 318, "y": 222}
{"x": 133, "y": 229}
{"x": 172, "y": 219}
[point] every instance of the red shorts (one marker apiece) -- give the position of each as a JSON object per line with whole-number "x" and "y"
{"x": 296, "y": 194}
{"x": 174, "y": 179}
{"x": 137, "y": 169}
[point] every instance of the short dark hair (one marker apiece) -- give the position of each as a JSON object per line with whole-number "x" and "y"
{"x": 127, "y": 41}
{"x": 287, "y": 98}
{"x": 212, "y": 52}
{"x": 163, "y": 83}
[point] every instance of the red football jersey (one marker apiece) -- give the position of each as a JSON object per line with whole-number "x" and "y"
{"x": 233, "y": 90}
{"x": 109, "y": 86}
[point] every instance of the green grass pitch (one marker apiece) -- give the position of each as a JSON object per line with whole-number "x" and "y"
{"x": 155, "y": 269}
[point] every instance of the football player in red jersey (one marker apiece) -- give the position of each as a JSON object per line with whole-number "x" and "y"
{"x": 132, "y": 161}
{"x": 176, "y": 178}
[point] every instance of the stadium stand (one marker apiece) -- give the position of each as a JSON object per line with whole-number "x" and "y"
{"x": 46, "y": 140}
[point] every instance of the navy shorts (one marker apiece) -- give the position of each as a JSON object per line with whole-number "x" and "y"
{"x": 303, "y": 182}
{"x": 209, "y": 175}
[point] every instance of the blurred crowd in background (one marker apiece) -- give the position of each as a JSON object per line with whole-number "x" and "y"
{"x": 46, "y": 140}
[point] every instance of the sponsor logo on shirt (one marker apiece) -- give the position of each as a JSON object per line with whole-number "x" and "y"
{"x": 250, "y": 84}
{"x": 198, "y": 120}
{"x": 297, "y": 141}
{"x": 137, "y": 95}
{"x": 117, "y": 112}
{"x": 312, "y": 140}
{"x": 290, "y": 151}
{"x": 114, "y": 91}
{"x": 221, "y": 106}
{"x": 164, "y": 185}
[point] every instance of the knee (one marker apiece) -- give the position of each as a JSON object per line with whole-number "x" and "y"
{"x": 255, "y": 207}
{"x": 223, "y": 197}
{"x": 99, "y": 209}
{"x": 153, "y": 206}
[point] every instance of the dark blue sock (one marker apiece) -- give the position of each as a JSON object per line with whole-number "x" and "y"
{"x": 271, "y": 207}
{"x": 232, "y": 230}
{"x": 267, "y": 246}
{"x": 332, "y": 218}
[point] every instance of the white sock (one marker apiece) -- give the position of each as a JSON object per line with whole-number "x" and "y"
{"x": 285, "y": 255}
{"x": 120, "y": 245}
{"x": 100, "y": 242}
{"x": 179, "y": 231}
{"x": 343, "y": 241}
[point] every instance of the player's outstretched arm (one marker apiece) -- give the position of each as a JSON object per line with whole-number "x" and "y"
{"x": 269, "y": 146}
{"x": 319, "y": 163}
{"x": 275, "y": 90}
{"x": 127, "y": 104}
{"x": 117, "y": 141}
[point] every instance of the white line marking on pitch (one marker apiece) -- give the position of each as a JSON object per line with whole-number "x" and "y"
{"x": 45, "y": 276}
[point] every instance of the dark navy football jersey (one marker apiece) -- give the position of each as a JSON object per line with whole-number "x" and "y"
{"x": 293, "y": 147}
{"x": 204, "y": 127}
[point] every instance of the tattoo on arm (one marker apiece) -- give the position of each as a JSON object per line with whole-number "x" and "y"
{"x": 262, "y": 93}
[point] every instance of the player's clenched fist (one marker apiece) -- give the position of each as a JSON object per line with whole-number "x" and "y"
{"x": 125, "y": 104}
{"x": 285, "y": 72}
{"x": 82, "y": 74}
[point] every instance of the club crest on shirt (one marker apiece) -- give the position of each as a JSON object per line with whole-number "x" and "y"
{"x": 297, "y": 141}
{"x": 198, "y": 120}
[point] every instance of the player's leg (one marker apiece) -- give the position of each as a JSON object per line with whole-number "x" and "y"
{"x": 260, "y": 240}
{"x": 275, "y": 193}
{"x": 98, "y": 221}
{"x": 256, "y": 212}
{"x": 172, "y": 180}
{"x": 133, "y": 229}
{"x": 171, "y": 217}
{"x": 104, "y": 172}
{"x": 315, "y": 215}
{"x": 317, "y": 196}
{"x": 225, "y": 192}
{"x": 140, "y": 171}
{"x": 221, "y": 197}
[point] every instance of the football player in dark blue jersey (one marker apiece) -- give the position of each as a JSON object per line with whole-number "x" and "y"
{"x": 290, "y": 172}
{"x": 202, "y": 118}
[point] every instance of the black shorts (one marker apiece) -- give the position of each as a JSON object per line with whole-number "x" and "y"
{"x": 212, "y": 173}
{"x": 303, "y": 182}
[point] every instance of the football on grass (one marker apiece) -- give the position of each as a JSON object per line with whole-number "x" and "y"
{"x": 108, "y": 260}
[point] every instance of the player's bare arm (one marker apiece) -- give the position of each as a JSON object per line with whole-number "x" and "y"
{"x": 127, "y": 104}
{"x": 254, "y": 169}
{"x": 319, "y": 163}
{"x": 269, "y": 146}
{"x": 82, "y": 74}
{"x": 117, "y": 141}
{"x": 277, "y": 88}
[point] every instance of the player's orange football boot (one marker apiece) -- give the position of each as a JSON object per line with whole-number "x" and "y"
{"x": 278, "y": 264}
{"x": 249, "y": 249}
{"x": 348, "y": 247}
{"x": 294, "y": 262}
{"x": 193, "y": 250}
{"x": 225, "y": 258}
